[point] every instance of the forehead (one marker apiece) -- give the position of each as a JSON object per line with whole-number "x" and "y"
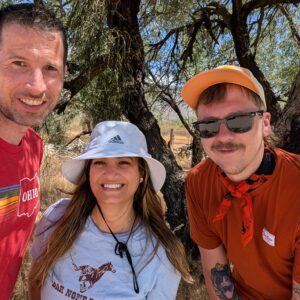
{"x": 15, "y": 36}
{"x": 16, "y": 29}
{"x": 235, "y": 100}
{"x": 112, "y": 159}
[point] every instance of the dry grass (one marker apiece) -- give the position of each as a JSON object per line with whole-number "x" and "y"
{"x": 52, "y": 180}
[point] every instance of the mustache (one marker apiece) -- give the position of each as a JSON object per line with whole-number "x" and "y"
{"x": 227, "y": 146}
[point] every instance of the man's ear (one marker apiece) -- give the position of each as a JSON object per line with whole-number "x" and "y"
{"x": 65, "y": 69}
{"x": 267, "y": 130}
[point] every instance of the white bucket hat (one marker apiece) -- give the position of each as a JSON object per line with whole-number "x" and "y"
{"x": 115, "y": 139}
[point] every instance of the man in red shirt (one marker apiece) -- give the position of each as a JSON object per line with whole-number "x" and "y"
{"x": 33, "y": 53}
{"x": 244, "y": 199}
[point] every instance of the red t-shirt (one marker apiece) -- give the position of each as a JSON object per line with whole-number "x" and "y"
{"x": 19, "y": 204}
{"x": 265, "y": 268}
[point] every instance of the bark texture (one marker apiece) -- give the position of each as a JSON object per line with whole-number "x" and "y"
{"x": 122, "y": 17}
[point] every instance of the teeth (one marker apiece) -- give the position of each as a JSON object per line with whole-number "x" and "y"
{"x": 112, "y": 185}
{"x": 32, "y": 102}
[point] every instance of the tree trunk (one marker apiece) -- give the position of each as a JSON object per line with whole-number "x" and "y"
{"x": 197, "y": 150}
{"x": 122, "y": 18}
{"x": 246, "y": 58}
{"x": 288, "y": 127}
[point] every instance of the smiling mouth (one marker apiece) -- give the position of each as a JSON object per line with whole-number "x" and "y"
{"x": 112, "y": 186}
{"x": 32, "y": 102}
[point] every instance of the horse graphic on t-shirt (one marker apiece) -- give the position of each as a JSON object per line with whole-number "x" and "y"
{"x": 89, "y": 275}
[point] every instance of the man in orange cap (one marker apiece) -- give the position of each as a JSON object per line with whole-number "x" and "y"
{"x": 244, "y": 199}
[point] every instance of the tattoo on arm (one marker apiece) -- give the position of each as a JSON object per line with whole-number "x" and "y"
{"x": 296, "y": 289}
{"x": 223, "y": 282}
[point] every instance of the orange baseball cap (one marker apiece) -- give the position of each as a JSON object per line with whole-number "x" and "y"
{"x": 223, "y": 74}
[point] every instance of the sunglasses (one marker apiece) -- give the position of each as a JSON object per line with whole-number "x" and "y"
{"x": 238, "y": 124}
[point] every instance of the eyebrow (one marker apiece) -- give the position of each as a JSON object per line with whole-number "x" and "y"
{"x": 235, "y": 114}
{"x": 118, "y": 158}
{"x": 17, "y": 56}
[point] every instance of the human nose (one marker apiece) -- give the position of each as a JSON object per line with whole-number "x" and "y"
{"x": 111, "y": 171}
{"x": 36, "y": 83}
{"x": 224, "y": 132}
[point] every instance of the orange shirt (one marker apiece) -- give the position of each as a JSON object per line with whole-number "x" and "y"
{"x": 265, "y": 268}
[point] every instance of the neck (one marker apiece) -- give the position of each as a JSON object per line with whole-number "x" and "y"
{"x": 10, "y": 131}
{"x": 119, "y": 220}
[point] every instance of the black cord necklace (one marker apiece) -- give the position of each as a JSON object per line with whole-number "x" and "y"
{"x": 122, "y": 247}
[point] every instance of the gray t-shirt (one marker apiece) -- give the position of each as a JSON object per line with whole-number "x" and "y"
{"x": 92, "y": 270}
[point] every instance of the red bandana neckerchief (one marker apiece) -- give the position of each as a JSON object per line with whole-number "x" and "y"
{"x": 241, "y": 191}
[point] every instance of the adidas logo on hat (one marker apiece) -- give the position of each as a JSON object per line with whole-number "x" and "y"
{"x": 116, "y": 139}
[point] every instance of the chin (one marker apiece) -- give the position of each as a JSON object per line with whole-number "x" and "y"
{"x": 30, "y": 122}
{"x": 230, "y": 170}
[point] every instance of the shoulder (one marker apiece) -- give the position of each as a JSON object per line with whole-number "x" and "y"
{"x": 285, "y": 183}
{"x": 57, "y": 209}
{"x": 202, "y": 171}
{"x": 32, "y": 135}
{"x": 52, "y": 214}
{"x": 162, "y": 276}
{"x": 164, "y": 260}
{"x": 288, "y": 160}
{"x": 46, "y": 225}
{"x": 160, "y": 266}
{"x": 161, "y": 261}
{"x": 32, "y": 142}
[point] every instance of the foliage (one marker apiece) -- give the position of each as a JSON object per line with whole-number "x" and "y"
{"x": 181, "y": 38}
{"x": 279, "y": 54}
{"x": 4, "y": 3}
{"x": 54, "y": 129}
{"x": 184, "y": 40}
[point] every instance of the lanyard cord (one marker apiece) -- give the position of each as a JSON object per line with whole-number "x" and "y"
{"x": 122, "y": 247}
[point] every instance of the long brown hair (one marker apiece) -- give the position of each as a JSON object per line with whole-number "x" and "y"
{"x": 147, "y": 206}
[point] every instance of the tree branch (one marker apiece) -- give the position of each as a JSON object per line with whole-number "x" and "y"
{"x": 221, "y": 10}
{"x": 77, "y": 83}
{"x": 291, "y": 24}
{"x": 259, "y": 27}
{"x": 168, "y": 98}
{"x": 39, "y": 2}
{"x": 188, "y": 51}
{"x": 213, "y": 8}
{"x": 248, "y": 7}
{"x": 168, "y": 35}
{"x": 84, "y": 132}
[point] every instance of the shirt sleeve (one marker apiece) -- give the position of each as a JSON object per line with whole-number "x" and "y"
{"x": 200, "y": 231}
{"x": 296, "y": 269}
{"x": 167, "y": 281}
{"x": 45, "y": 226}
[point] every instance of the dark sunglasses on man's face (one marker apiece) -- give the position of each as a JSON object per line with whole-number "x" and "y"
{"x": 239, "y": 123}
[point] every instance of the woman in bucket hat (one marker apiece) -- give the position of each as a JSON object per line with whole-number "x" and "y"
{"x": 110, "y": 240}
